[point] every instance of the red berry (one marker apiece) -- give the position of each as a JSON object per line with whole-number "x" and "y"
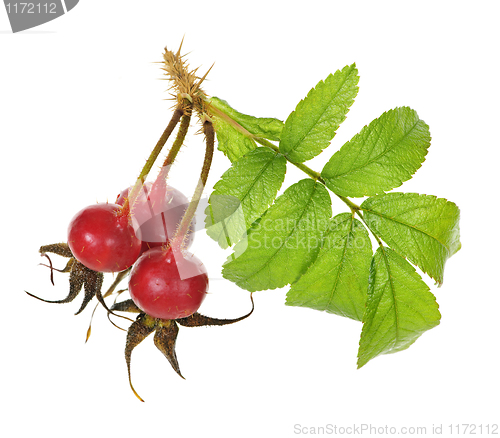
{"x": 168, "y": 284}
{"x": 102, "y": 239}
{"x": 156, "y": 213}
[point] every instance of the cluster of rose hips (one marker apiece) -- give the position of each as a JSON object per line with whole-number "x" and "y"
{"x": 146, "y": 234}
{"x": 105, "y": 238}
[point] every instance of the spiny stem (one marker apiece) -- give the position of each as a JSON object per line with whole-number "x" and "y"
{"x": 183, "y": 228}
{"x": 161, "y": 181}
{"x": 152, "y": 158}
{"x": 174, "y": 150}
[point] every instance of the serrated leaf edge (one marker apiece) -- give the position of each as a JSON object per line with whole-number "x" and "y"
{"x": 394, "y": 342}
{"x": 230, "y": 257}
{"x": 330, "y": 180}
{"x": 269, "y": 162}
{"x": 410, "y": 259}
{"x": 299, "y": 106}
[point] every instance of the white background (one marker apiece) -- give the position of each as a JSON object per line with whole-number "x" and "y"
{"x": 81, "y": 107}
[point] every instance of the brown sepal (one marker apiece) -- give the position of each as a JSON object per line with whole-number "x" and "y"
{"x": 197, "y": 320}
{"x": 92, "y": 285}
{"x": 76, "y": 279}
{"x": 61, "y": 249}
{"x": 119, "y": 277}
{"x": 126, "y": 306}
{"x": 143, "y": 326}
{"x": 165, "y": 337}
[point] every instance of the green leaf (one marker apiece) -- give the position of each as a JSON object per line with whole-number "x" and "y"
{"x": 310, "y": 128}
{"x": 279, "y": 247}
{"x": 337, "y": 281}
{"x": 422, "y": 228}
{"x": 232, "y": 139}
{"x": 400, "y": 307}
{"x": 381, "y": 157}
{"x": 265, "y": 127}
{"x": 243, "y": 194}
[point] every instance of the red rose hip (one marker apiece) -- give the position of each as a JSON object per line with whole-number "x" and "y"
{"x": 101, "y": 238}
{"x": 168, "y": 284}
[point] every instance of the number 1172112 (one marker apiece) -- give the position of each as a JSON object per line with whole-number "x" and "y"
{"x": 31, "y": 8}
{"x": 473, "y": 429}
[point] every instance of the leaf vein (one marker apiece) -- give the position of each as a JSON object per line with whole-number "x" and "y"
{"x": 384, "y": 152}
{"x": 266, "y": 264}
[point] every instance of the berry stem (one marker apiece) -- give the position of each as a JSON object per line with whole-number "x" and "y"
{"x": 183, "y": 228}
{"x": 174, "y": 150}
{"x": 161, "y": 181}
{"x": 152, "y": 158}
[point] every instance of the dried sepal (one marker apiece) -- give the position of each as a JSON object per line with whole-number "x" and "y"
{"x": 165, "y": 337}
{"x": 100, "y": 298}
{"x": 68, "y": 266}
{"x": 126, "y": 306}
{"x": 198, "y": 320}
{"x": 143, "y": 326}
{"x": 119, "y": 277}
{"x": 80, "y": 276}
{"x": 92, "y": 285}
{"x": 61, "y": 249}
{"x": 50, "y": 267}
{"x": 77, "y": 277}
{"x": 89, "y": 330}
{"x": 76, "y": 280}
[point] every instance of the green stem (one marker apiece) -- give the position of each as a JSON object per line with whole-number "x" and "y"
{"x": 152, "y": 158}
{"x": 172, "y": 153}
{"x": 185, "y": 224}
{"x": 160, "y": 183}
{"x": 368, "y": 226}
{"x": 314, "y": 175}
{"x": 174, "y": 150}
{"x": 355, "y": 209}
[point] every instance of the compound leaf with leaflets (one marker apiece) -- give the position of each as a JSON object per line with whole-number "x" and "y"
{"x": 280, "y": 247}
